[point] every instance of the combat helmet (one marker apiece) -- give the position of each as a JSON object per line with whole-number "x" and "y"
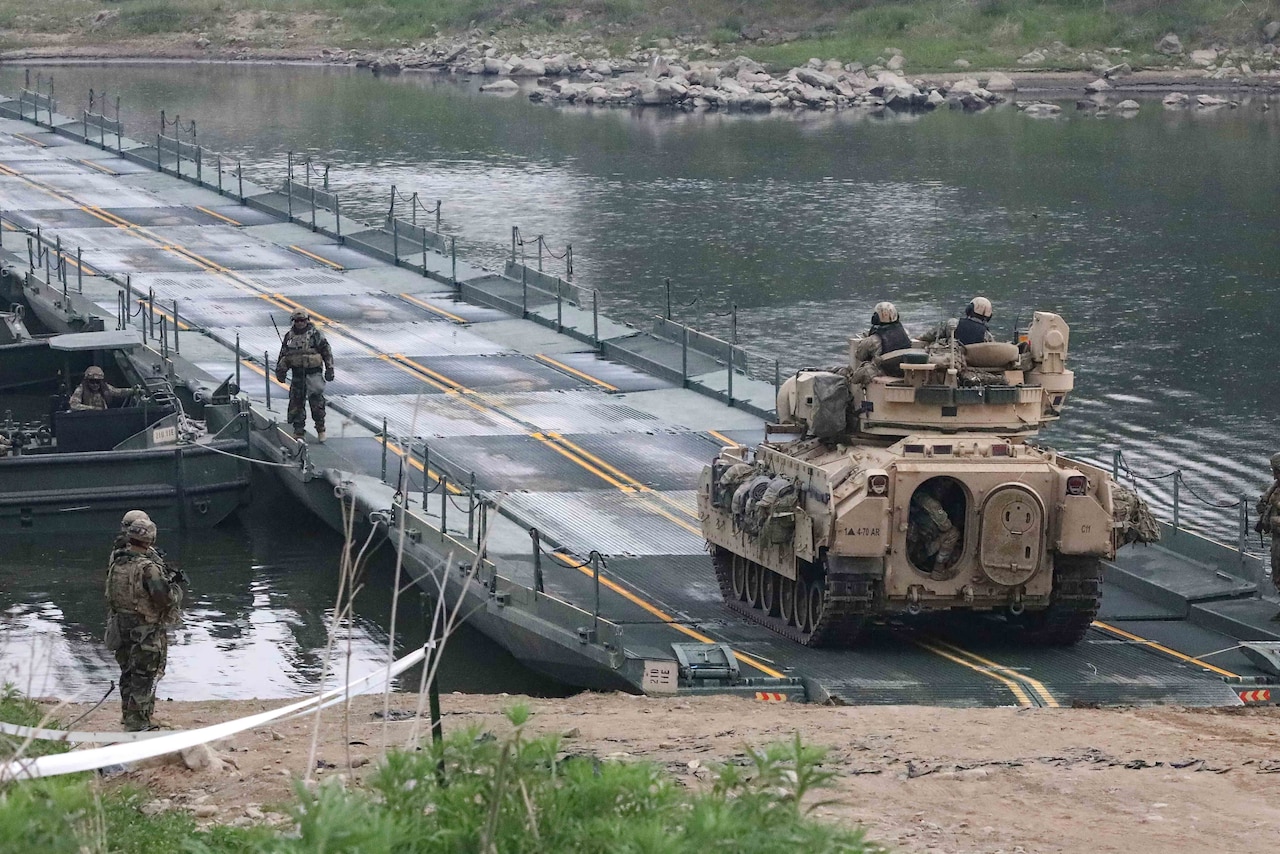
{"x": 131, "y": 517}
{"x": 300, "y": 314}
{"x": 979, "y": 307}
{"x": 884, "y": 312}
{"x": 94, "y": 374}
{"x": 1275, "y": 463}
{"x": 142, "y": 532}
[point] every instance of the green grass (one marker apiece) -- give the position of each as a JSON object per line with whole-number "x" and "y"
{"x": 475, "y": 793}
{"x": 932, "y": 33}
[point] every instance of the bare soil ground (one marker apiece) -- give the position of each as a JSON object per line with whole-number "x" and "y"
{"x": 919, "y": 779}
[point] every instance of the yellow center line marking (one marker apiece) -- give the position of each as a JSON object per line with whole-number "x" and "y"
{"x": 1166, "y": 650}
{"x": 722, "y": 437}
{"x": 404, "y": 454}
{"x": 577, "y": 373}
{"x": 100, "y": 167}
{"x": 260, "y": 372}
{"x": 1036, "y": 685}
{"x": 662, "y": 615}
{"x": 564, "y": 452}
{"x": 25, "y": 138}
{"x": 429, "y": 307}
{"x": 628, "y": 479}
{"x": 1019, "y": 694}
{"x": 333, "y": 265}
{"x": 217, "y": 215}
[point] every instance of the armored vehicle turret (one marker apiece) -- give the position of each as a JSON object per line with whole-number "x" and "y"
{"x": 905, "y": 485}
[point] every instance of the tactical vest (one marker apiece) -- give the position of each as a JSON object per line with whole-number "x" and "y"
{"x": 302, "y": 349}
{"x": 893, "y": 337}
{"x": 970, "y": 331}
{"x": 96, "y": 399}
{"x": 127, "y": 590}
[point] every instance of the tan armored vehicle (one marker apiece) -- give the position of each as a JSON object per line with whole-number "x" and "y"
{"x": 914, "y": 491}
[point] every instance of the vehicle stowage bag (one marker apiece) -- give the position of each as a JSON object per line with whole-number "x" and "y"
{"x": 830, "y": 406}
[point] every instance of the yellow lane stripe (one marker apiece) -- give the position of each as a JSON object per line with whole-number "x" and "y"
{"x": 1014, "y": 687}
{"x": 25, "y": 138}
{"x": 413, "y": 461}
{"x": 628, "y": 479}
{"x": 722, "y": 437}
{"x": 217, "y": 215}
{"x": 260, "y": 372}
{"x": 663, "y": 616}
{"x": 1166, "y": 650}
{"x": 334, "y": 265}
{"x": 429, "y": 307}
{"x": 99, "y": 167}
{"x": 564, "y": 452}
{"x": 577, "y": 373}
{"x": 1036, "y": 685}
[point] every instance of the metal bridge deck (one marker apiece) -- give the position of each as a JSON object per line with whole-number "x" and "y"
{"x": 596, "y": 454}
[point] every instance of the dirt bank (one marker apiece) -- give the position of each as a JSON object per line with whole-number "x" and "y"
{"x": 920, "y": 779}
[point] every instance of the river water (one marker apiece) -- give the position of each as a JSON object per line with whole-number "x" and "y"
{"x": 1154, "y": 236}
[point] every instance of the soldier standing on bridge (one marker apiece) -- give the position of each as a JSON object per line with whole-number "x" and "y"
{"x": 1269, "y": 520}
{"x": 305, "y": 351}
{"x": 142, "y": 599}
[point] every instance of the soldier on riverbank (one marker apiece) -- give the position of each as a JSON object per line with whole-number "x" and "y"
{"x": 305, "y": 351}
{"x": 1269, "y": 519}
{"x": 142, "y": 599}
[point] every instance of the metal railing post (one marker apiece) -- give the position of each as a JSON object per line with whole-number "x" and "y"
{"x": 524, "y": 292}
{"x": 471, "y": 508}
{"x": 424, "y": 252}
{"x": 595, "y": 317}
{"x": 667, "y": 283}
{"x": 730, "y": 383}
{"x": 312, "y": 193}
{"x": 684, "y": 356}
{"x": 1244, "y": 533}
{"x": 559, "y": 306}
{"x": 1115, "y": 465}
{"x": 453, "y": 260}
{"x": 1177, "y": 501}
{"x": 395, "y": 242}
{"x": 219, "y": 156}
{"x": 238, "y": 385}
{"x": 426, "y": 474}
{"x": 266, "y": 375}
{"x": 733, "y": 325}
{"x": 541, "y": 242}
{"x": 515, "y": 233}
{"x": 384, "y": 450}
{"x": 240, "y": 178}
{"x": 444, "y": 505}
{"x": 596, "y": 560}
{"x": 337, "y": 216}
{"x": 288, "y": 184}
{"x": 159, "y": 164}
{"x": 537, "y": 561}
{"x": 79, "y": 270}
{"x": 777, "y": 378}
{"x": 176, "y": 348}
{"x": 438, "y": 204}
{"x": 164, "y": 337}
{"x": 199, "y": 164}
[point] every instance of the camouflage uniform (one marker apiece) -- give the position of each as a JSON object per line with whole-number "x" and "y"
{"x": 931, "y": 536}
{"x": 143, "y": 598}
{"x": 85, "y": 397}
{"x": 883, "y": 338}
{"x": 306, "y": 352}
{"x": 1268, "y": 510}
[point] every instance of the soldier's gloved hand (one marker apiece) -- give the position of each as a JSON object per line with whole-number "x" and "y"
{"x": 281, "y": 374}
{"x": 328, "y": 374}
{"x": 137, "y": 391}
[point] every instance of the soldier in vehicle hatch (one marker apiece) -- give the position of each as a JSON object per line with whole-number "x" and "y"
{"x": 885, "y": 336}
{"x": 1269, "y": 520}
{"x": 94, "y": 392}
{"x": 970, "y": 329}
{"x": 305, "y": 351}
{"x": 142, "y": 599}
{"x": 932, "y": 537}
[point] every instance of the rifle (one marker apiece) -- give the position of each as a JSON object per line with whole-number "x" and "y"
{"x": 277, "y": 328}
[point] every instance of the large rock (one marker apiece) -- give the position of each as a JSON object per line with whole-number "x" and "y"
{"x": 962, "y": 63}
{"x": 1000, "y": 82}
{"x": 1034, "y": 57}
{"x": 895, "y": 63}
{"x": 815, "y": 78}
{"x": 738, "y": 63}
{"x": 603, "y": 68}
{"x": 1170, "y": 45}
{"x": 1040, "y": 109}
{"x": 756, "y": 103}
{"x": 1211, "y": 101}
{"x": 1271, "y": 30}
{"x": 528, "y": 68}
{"x": 1129, "y": 106}
{"x": 1098, "y": 85}
{"x": 1176, "y": 99}
{"x": 1204, "y": 58}
{"x": 493, "y": 65}
{"x": 501, "y": 87}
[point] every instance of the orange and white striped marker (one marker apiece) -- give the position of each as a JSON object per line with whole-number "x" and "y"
{"x": 1262, "y": 695}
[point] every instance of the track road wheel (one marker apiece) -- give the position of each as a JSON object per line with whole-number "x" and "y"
{"x": 769, "y": 591}
{"x": 802, "y": 606}
{"x": 739, "y": 578}
{"x": 787, "y": 600}
{"x": 753, "y": 584}
{"x": 1077, "y": 594}
{"x": 814, "y": 605}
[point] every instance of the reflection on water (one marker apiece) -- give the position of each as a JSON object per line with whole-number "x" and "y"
{"x": 1153, "y": 236}
{"x": 256, "y": 618}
